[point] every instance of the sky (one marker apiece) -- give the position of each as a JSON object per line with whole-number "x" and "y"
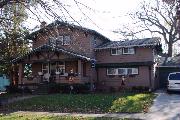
{"x": 104, "y": 16}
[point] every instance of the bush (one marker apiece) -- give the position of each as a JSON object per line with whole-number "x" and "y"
{"x": 140, "y": 88}
{"x": 13, "y": 89}
{"x": 66, "y": 88}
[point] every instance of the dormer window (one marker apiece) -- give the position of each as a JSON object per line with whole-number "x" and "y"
{"x": 128, "y": 51}
{"x": 116, "y": 51}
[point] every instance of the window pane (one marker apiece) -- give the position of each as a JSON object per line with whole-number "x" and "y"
{"x": 119, "y": 51}
{"x": 111, "y": 71}
{"x": 60, "y": 67}
{"x": 129, "y": 71}
{"x": 134, "y": 70}
{"x": 67, "y": 40}
{"x": 125, "y": 50}
{"x": 131, "y": 50}
{"x": 121, "y": 71}
{"x": 174, "y": 76}
{"x": 128, "y": 51}
{"x": 113, "y": 51}
{"x": 59, "y": 40}
{"x": 45, "y": 66}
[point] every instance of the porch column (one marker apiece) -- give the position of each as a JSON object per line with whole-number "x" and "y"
{"x": 21, "y": 72}
{"x": 79, "y": 69}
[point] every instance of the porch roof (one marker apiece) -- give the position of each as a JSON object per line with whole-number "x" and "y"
{"x": 51, "y": 47}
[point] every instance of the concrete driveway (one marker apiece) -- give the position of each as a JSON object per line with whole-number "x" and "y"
{"x": 165, "y": 107}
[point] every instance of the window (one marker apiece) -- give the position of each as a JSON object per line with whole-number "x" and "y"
{"x": 128, "y": 51}
{"x": 67, "y": 40}
{"x": 135, "y": 71}
{"x": 60, "y": 67}
{"x": 45, "y": 68}
{"x": 122, "y": 71}
{"x": 117, "y": 51}
{"x": 84, "y": 70}
{"x": 63, "y": 40}
{"x": 111, "y": 71}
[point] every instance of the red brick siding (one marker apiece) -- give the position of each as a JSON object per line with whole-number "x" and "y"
{"x": 142, "y": 79}
{"x": 141, "y": 54}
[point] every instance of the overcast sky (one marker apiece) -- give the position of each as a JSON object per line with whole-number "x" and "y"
{"x": 105, "y": 15}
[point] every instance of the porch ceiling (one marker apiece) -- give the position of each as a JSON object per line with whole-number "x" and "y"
{"x": 51, "y": 48}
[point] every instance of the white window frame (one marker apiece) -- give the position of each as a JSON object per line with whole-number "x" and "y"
{"x": 117, "y": 51}
{"x": 135, "y": 71}
{"x": 129, "y": 51}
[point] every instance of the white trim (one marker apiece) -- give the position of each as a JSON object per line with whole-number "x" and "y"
{"x": 126, "y": 71}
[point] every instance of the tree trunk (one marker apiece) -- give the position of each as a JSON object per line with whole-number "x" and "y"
{"x": 170, "y": 48}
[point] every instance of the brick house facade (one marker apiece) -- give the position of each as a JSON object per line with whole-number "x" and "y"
{"x": 61, "y": 50}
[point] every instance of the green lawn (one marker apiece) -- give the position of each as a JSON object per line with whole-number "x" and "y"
{"x": 85, "y": 103}
{"x": 50, "y": 117}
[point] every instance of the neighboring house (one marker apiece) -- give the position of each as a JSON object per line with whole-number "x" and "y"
{"x": 66, "y": 53}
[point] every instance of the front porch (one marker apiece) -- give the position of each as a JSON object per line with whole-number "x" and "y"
{"x": 74, "y": 71}
{"x": 51, "y": 64}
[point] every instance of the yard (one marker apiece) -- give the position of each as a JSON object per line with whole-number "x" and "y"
{"x": 85, "y": 103}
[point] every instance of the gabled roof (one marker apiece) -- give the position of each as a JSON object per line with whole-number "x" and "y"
{"x": 51, "y": 47}
{"x": 147, "y": 42}
{"x": 60, "y": 23}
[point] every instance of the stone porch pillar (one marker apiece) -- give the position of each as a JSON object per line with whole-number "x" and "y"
{"x": 80, "y": 69}
{"x": 21, "y": 72}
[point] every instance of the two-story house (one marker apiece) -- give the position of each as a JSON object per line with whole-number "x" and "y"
{"x": 65, "y": 53}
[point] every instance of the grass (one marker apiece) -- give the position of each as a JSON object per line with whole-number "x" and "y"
{"x": 85, "y": 103}
{"x": 16, "y": 116}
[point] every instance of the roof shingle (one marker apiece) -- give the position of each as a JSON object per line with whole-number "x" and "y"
{"x": 147, "y": 42}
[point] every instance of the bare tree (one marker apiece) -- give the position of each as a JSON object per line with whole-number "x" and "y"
{"x": 158, "y": 18}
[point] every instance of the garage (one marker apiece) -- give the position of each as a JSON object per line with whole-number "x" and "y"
{"x": 162, "y": 71}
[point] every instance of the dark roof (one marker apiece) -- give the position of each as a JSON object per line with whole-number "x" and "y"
{"x": 147, "y": 42}
{"x": 127, "y": 64}
{"x": 173, "y": 61}
{"x": 51, "y": 47}
{"x": 60, "y": 23}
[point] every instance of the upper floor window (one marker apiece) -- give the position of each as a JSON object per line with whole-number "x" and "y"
{"x": 63, "y": 39}
{"x": 128, "y": 51}
{"x": 116, "y": 51}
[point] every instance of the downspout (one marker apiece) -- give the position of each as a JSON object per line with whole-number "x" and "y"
{"x": 150, "y": 79}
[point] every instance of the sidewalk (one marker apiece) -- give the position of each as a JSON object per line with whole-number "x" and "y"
{"x": 121, "y": 115}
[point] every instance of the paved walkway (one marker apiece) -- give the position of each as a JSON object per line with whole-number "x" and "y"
{"x": 165, "y": 107}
